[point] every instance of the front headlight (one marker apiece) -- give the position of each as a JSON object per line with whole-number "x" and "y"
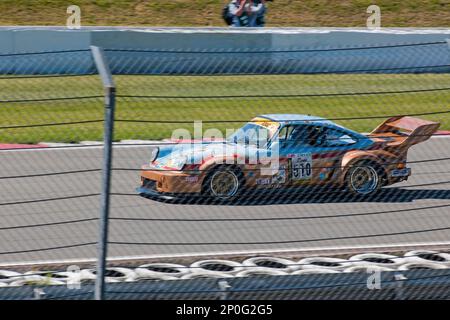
{"x": 154, "y": 154}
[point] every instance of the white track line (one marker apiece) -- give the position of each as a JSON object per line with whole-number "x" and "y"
{"x": 140, "y": 144}
{"x": 297, "y": 251}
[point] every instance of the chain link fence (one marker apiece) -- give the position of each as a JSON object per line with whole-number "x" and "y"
{"x": 52, "y": 129}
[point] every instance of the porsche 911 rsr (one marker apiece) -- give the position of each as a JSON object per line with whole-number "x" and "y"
{"x": 286, "y": 151}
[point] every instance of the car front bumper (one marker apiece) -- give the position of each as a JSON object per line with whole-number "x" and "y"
{"x": 151, "y": 193}
{"x": 167, "y": 181}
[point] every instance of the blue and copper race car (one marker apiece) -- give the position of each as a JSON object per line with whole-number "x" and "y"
{"x": 286, "y": 151}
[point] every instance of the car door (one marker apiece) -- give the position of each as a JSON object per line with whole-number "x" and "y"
{"x": 297, "y": 154}
{"x": 313, "y": 152}
{"x": 328, "y": 149}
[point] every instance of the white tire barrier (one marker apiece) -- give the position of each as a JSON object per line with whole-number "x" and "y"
{"x": 36, "y": 280}
{"x": 315, "y": 271}
{"x": 159, "y": 277}
{"x": 421, "y": 265}
{"x": 59, "y": 276}
{"x": 45, "y": 282}
{"x": 34, "y": 277}
{"x": 260, "y": 271}
{"x": 255, "y": 266}
{"x": 43, "y": 278}
{"x": 323, "y": 263}
{"x": 88, "y": 276}
{"x": 214, "y": 266}
{"x": 367, "y": 268}
{"x": 377, "y": 259}
{"x": 206, "y": 274}
{"x": 7, "y": 276}
{"x": 428, "y": 256}
{"x": 271, "y": 263}
{"x": 113, "y": 274}
{"x": 154, "y": 270}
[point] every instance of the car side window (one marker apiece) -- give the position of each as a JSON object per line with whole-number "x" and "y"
{"x": 309, "y": 135}
{"x": 295, "y": 135}
{"x": 335, "y": 138}
{"x": 315, "y": 136}
{"x": 306, "y": 135}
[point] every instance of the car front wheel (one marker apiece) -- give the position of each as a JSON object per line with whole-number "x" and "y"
{"x": 223, "y": 183}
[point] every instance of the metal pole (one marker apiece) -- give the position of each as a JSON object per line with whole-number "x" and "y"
{"x": 448, "y": 43}
{"x": 110, "y": 94}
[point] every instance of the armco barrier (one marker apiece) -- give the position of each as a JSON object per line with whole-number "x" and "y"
{"x": 206, "y": 51}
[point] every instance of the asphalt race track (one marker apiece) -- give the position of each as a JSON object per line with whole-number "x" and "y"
{"x": 395, "y": 218}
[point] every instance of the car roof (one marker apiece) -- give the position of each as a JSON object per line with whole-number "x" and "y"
{"x": 292, "y": 118}
{"x": 302, "y": 118}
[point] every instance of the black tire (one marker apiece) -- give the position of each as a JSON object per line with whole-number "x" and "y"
{"x": 224, "y": 183}
{"x": 364, "y": 178}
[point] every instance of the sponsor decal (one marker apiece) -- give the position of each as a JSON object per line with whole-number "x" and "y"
{"x": 272, "y": 126}
{"x": 263, "y": 181}
{"x": 324, "y": 172}
{"x": 401, "y": 172}
{"x": 280, "y": 177}
{"x": 192, "y": 179}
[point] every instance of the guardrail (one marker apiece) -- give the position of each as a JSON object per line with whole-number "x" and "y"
{"x": 225, "y": 51}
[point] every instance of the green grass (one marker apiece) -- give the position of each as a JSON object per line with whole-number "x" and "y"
{"x": 201, "y": 13}
{"x": 27, "y": 113}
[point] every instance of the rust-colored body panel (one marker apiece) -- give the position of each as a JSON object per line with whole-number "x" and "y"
{"x": 173, "y": 181}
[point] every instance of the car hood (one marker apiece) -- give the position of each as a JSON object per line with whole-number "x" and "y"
{"x": 196, "y": 153}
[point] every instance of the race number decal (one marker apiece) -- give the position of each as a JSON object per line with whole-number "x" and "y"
{"x": 302, "y": 166}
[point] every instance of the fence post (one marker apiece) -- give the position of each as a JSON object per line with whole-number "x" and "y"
{"x": 448, "y": 43}
{"x": 110, "y": 94}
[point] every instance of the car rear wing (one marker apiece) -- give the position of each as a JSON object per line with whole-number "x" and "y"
{"x": 405, "y": 130}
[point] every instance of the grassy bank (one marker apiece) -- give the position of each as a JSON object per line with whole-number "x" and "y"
{"x": 200, "y": 13}
{"x": 256, "y": 92}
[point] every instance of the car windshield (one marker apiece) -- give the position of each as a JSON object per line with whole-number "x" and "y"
{"x": 253, "y": 131}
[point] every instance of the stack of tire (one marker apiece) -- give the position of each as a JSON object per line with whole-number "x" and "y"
{"x": 250, "y": 267}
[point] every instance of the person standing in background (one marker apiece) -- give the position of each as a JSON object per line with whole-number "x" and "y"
{"x": 260, "y": 18}
{"x": 247, "y": 13}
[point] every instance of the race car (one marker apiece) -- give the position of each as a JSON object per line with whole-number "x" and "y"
{"x": 286, "y": 151}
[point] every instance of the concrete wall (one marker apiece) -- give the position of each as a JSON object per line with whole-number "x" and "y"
{"x": 206, "y": 51}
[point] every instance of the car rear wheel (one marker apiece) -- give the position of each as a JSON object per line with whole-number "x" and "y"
{"x": 223, "y": 183}
{"x": 364, "y": 178}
